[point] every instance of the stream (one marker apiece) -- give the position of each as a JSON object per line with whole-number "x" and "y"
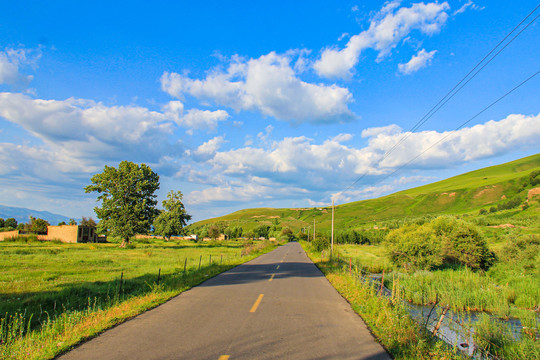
{"x": 456, "y": 329}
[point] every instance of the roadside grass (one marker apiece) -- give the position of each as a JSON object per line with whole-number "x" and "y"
{"x": 55, "y": 295}
{"x": 389, "y": 321}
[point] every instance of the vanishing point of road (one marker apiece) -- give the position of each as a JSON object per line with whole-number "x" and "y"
{"x": 277, "y": 306}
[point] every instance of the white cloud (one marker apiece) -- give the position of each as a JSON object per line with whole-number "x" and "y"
{"x": 417, "y": 62}
{"x": 11, "y": 60}
{"x": 299, "y": 163}
{"x": 468, "y": 4}
{"x": 269, "y": 85}
{"x": 254, "y": 188}
{"x": 386, "y": 30}
{"x": 87, "y": 133}
{"x": 203, "y": 119}
{"x": 208, "y": 149}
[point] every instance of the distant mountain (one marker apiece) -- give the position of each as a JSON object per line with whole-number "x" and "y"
{"x": 22, "y": 215}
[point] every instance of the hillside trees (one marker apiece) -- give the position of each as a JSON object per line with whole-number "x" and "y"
{"x": 172, "y": 220}
{"x": 128, "y": 199}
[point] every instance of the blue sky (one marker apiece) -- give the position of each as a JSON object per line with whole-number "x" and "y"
{"x": 250, "y": 104}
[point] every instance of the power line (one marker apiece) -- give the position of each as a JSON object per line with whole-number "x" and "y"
{"x": 450, "y": 94}
{"x": 459, "y": 127}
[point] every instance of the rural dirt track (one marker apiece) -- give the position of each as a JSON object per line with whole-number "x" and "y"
{"x": 278, "y": 306}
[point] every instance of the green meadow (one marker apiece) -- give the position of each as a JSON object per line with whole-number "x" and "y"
{"x": 54, "y": 295}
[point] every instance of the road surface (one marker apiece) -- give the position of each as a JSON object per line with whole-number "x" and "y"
{"x": 278, "y": 306}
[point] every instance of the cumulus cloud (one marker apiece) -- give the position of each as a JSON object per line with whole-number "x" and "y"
{"x": 387, "y": 28}
{"x": 268, "y": 84}
{"x": 88, "y": 129}
{"x": 208, "y": 149}
{"x": 203, "y": 119}
{"x": 11, "y": 61}
{"x": 299, "y": 163}
{"x": 417, "y": 62}
{"x": 236, "y": 192}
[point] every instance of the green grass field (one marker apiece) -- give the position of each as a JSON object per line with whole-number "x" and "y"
{"x": 55, "y": 293}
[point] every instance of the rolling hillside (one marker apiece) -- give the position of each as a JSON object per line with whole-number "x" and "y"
{"x": 462, "y": 194}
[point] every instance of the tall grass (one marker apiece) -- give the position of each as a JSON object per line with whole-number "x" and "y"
{"x": 55, "y": 295}
{"x": 467, "y": 290}
{"x": 387, "y": 319}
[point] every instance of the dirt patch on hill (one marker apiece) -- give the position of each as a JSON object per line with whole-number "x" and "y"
{"x": 489, "y": 194}
{"x": 502, "y": 226}
{"x": 533, "y": 193}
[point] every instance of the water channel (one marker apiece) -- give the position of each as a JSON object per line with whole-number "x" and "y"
{"x": 456, "y": 329}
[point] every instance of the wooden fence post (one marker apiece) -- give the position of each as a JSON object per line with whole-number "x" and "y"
{"x": 185, "y": 266}
{"x": 382, "y": 283}
{"x": 158, "y": 275}
{"x": 200, "y": 259}
{"x": 121, "y": 281}
{"x": 445, "y": 310}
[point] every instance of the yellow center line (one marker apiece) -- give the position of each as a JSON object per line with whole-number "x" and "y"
{"x": 256, "y": 305}
{"x": 277, "y": 267}
{"x": 271, "y": 277}
{"x": 224, "y": 357}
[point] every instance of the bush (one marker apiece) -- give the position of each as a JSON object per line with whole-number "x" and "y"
{"x": 444, "y": 241}
{"x": 482, "y": 212}
{"x": 320, "y": 243}
{"x": 534, "y": 178}
{"x": 510, "y": 204}
{"x": 415, "y": 246}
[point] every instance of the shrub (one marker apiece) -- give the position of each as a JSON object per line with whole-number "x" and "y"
{"x": 482, "y": 212}
{"x": 320, "y": 243}
{"x": 510, "y": 204}
{"x": 443, "y": 241}
{"x": 534, "y": 178}
{"x": 415, "y": 246}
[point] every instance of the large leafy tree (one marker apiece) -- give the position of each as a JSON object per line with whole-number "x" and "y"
{"x": 128, "y": 199}
{"x": 10, "y": 222}
{"x": 172, "y": 220}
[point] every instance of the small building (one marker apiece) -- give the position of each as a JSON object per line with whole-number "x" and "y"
{"x": 64, "y": 233}
{"x": 72, "y": 233}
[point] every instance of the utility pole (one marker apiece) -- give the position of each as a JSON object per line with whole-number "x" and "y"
{"x": 332, "y": 241}
{"x": 313, "y": 227}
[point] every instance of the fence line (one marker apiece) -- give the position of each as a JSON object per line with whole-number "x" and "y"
{"x": 467, "y": 347}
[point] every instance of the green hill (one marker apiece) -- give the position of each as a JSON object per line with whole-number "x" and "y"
{"x": 463, "y": 194}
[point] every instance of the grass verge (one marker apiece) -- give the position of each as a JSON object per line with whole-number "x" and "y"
{"x": 110, "y": 302}
{"x": 388, "y": 321}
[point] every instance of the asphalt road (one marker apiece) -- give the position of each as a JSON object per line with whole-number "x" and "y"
{"x": 278, "y": 306}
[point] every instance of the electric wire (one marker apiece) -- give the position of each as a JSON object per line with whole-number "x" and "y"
{"x": 458, "y": 128}
{"x": 450, "y": 94}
